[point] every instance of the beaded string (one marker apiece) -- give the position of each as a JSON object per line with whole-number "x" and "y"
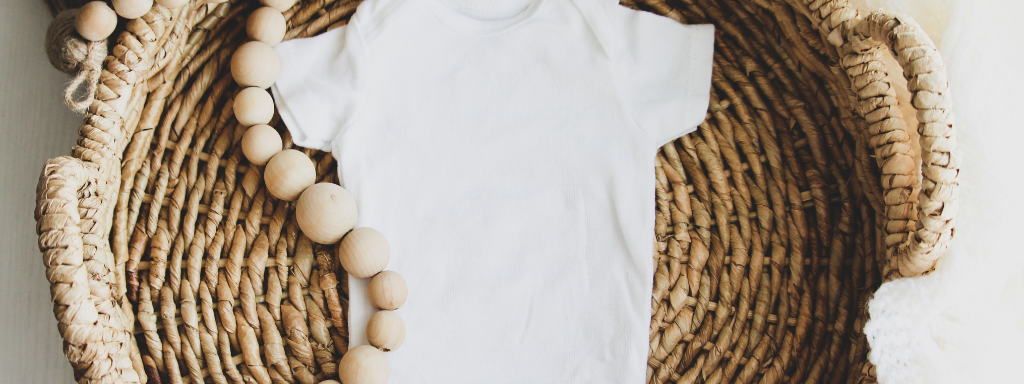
{"x": 325, "y": 212}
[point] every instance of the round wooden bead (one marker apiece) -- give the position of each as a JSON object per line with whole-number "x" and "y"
{"x": 280, "y": 5}
{"x": 267, "y": 25}
{"x": 132, "y": 9}
{"x": 325, "y": 212}
{"x": 364, "y": 252}
{"x": 171, "y": 4}
{"x": 260, "y": 143}
{"x": 385, "y": 330}
{"x": 95, "y": 21}
{"x": 289, "y": 173}
{"x": 364, "y": 365}
{"x": 255, "y": 64}
{"x": 254, "y": 106}
{"x": 387, "y": 290}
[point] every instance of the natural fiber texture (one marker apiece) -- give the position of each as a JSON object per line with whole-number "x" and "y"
{"x": 774, "y": 223}
{"x": 64, "y": 47}
{"x": 71, "y": 54}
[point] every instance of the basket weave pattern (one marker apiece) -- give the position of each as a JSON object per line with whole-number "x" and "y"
{"x": 775, "y": 221}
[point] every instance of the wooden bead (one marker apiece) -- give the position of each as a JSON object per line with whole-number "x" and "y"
{"x": 267, "y": 25}
{"x": 387, "y": 290}
{"x": 260, "y": 143}
{"x": 171, "y": 4}
{"x": 385, "y": 330}
{"x": 254, "y": 106}
{"x": 325, "y": 212}
{"x": 132, "y": 9}
{"x": 364, "y": 365}
{"x": 280, "y": 5}
{"x": 95, "y": 21}
{"x": 289, "y": 173}
{"x": 363, "y": 252}
{"x": 255, "y": 64}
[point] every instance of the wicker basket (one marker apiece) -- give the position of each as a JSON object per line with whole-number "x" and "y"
{"x": 776, "y": 220}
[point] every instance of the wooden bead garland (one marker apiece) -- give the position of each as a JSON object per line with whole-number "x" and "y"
{"x": 95, "y": 21}
{"x": 260, "y": 143}
{"x": 364, "y": 252}
{"x": 253, "y": 106}
{"x": 132, "y": 9}
{"x": 385, "y": 330}
{"x": 255, "y": 64}
{"x": 267, "y": 25}
{"x": 387, "y": 290}
{"x": 289, "y": 173}
{"x": 363, "y": 365}
{"x": 325, "y": 212}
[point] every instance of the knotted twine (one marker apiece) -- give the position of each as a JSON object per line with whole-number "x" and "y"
{"x": 70, "y": 53}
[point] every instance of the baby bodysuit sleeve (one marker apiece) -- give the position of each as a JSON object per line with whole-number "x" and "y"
{"x": 319, "y": 85}
{"x": 664, "y": 69}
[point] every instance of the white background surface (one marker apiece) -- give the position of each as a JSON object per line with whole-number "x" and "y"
{"x": 35, "y": 126}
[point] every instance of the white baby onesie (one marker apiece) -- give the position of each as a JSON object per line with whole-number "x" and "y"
{"x": 506, "y": 149}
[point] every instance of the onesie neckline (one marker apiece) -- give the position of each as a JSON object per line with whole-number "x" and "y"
{"x": 483, "y": 17}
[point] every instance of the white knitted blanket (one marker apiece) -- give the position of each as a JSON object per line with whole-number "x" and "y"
{"x": 964, "y": 323}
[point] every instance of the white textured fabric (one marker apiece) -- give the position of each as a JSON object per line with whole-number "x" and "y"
{"x": 506, "y": 149}
{"x": 964, "y": 323}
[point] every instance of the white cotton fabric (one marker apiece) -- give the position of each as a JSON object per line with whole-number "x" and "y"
{"x": 506, "y": 149}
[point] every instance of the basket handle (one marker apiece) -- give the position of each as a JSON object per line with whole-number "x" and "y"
{"x": 97, "y": 337}
{"x": 916, "y": 236}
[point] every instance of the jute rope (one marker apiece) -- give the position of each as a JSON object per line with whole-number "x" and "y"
{"x": 71, "y": 54}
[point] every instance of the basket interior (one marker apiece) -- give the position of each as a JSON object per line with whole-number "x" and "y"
{"x": 768, "y": 238}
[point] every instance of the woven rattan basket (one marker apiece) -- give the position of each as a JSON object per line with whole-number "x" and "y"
{"x": 776, "y": 220}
